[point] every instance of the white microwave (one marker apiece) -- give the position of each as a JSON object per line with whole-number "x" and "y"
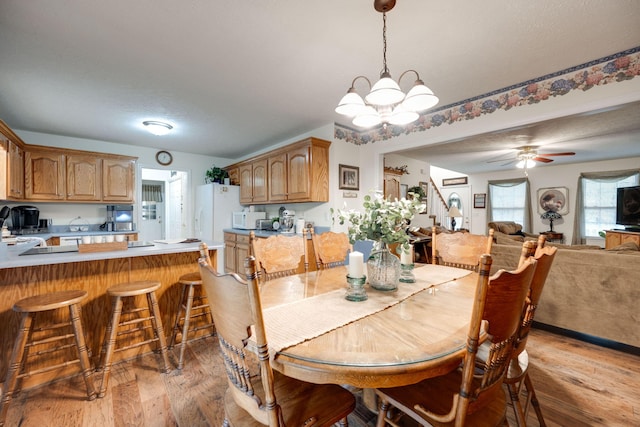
{"x": 247, "y": 220}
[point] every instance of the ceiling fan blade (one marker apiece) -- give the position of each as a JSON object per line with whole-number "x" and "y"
{"x": 509, "y": 162}
{"x": 542, "y": 160}
{"x": 568, "y": 153}
{"x": 500, "y": 160}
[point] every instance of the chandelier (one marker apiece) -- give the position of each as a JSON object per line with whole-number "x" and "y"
{"x": 386, "y": 102}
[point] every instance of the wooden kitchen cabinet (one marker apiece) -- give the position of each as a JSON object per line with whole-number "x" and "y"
{"x": 253, "y": 182}
{"x": 234, "y": 176}
{"x": 296, "y": 173}
{"x": 236, "y": 250}
{"x": 44, "y": 174}
{"x": 118, "y": 179}
{"x": 15, "y": 171}
{"x": 83, "y": 178}
{"x": 278, "y": 177}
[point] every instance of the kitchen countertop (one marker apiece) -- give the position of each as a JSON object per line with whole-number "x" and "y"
{"x": 10, "y": 254}
{"x": 265, "y": 233}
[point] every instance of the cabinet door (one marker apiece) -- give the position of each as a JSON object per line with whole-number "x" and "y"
{"x": 15, "y": 171}
{"x": 44, "y": 175}
{"x": 83, "y": 178}
{"x": 118, "y": 180}
{"x": 234, "y": 176}
{"x": 242, "y": 252}
{"x": 278, "y": 178}
{"x": 245, "y": 173}
{"x": 230, "y": 257}
{"x": 260, "y": 186}
{"x": 612, "y": 239}
{"x": 391, "y": 186}
{"x": 299, "y": 173}
{"x": 630, "y": 237}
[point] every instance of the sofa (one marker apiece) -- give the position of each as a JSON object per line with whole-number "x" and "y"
{"x": 510, "y": 229}
{"x": 589, "y": 290}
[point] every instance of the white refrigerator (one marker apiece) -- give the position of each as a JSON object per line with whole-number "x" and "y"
{"x": 214, "y": 206}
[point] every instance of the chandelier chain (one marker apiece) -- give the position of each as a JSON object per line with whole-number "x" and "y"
{"x": 384, "y": 43}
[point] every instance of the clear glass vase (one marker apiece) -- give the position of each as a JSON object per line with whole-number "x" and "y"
{"x": 383, "y": 268}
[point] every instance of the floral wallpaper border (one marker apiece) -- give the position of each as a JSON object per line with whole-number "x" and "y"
{"x": 614, "y": 68}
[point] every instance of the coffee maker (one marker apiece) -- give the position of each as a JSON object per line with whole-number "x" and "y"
{"x": 120, "y": 218}
{"x": 24, "y": 219}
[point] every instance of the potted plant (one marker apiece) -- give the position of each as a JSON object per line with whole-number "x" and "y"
{"x": 215, "y": 174}
{"x": 417, "y": 190}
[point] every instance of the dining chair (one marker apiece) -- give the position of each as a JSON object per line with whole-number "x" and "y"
{"x": 279, "y": 255}
{"x": 471, "y": 395}
{"x": 330, "y": 249}
{"x": 256, "y": 394}
{"x": 460, "y": 250}
{"x": 529, "y": 247}
{"x": 518, "y": 373}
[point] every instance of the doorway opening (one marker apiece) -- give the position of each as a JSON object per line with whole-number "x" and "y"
{"x": 164, "y": 196}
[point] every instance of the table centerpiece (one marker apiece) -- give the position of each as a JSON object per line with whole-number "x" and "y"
{"x": 385, "y": 223}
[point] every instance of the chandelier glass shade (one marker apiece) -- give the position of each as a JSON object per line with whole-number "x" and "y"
{"x": 525, "y": 159}
{"x": 386, "y": 102}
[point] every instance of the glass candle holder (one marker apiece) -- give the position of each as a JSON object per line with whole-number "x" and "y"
{"x": 355, "y": 288}
{"x": 406, "y": 273}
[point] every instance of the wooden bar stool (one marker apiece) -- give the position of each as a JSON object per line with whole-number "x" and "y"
{"x": 186, "y": 309}
{"x": 118, "y": 292}
{"x": 25, "y": 341}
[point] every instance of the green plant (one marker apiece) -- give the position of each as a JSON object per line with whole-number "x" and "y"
{"x": 382, "y": 220}
{"x": 215, "y": 174}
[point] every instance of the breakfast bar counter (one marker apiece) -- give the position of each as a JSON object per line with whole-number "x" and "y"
{"x": 22, "y": 276}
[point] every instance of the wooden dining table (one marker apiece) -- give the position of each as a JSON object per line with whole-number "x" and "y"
{"x": 421, "y": 336}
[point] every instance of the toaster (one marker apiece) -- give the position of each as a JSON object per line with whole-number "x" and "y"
{"x": 264, "y": 224}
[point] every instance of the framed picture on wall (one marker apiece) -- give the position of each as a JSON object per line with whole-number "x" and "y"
{"x": 349, "y": 177}
{"x": 479, "y": 200}
{"x": 554, "y": 199}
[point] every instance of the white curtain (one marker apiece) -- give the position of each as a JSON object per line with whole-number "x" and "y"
{"x": 151, "y": 193}
{"x": 527, "y": 226}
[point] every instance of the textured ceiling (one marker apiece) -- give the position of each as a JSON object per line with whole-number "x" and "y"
{"x": 234, "y": 77}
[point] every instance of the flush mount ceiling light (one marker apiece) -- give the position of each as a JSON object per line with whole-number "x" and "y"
{"x": 157, "y": 128}
{"x": 386, "y": 102}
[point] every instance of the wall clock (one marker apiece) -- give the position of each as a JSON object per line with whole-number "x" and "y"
{"x": 164, "y": 158}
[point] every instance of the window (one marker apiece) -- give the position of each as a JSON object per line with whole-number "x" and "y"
{"x": 509, "y": 201}
{"x": 599, "y": 203}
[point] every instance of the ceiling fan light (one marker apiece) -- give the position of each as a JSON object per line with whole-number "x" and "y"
{"x": 420, "y": 98}
{"x": 385, "y": 92}
{"x": 367, "y": 118}
{"x": 351, "y": 104}
{"x": 530, "y": 163}
{"x": 520, "y": 164}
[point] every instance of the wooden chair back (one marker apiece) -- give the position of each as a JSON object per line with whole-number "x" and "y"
{"x": 330, "y": 248}
{"x": 529, "y": 248}
{"x": 279, "y": 255}
{"x": 544, "y": 257}
{"x": 204, "y": 252}
{"x": 498, "y": 304}
{"x": 460, "y": 250}
{"x": 235, "y": 305}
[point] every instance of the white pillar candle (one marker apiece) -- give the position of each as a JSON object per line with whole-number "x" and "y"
{"x": 406, "y": 257}
{"x": 356, "y": 264}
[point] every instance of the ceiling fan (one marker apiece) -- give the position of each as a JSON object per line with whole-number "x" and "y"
{"x": 528, "y": 155}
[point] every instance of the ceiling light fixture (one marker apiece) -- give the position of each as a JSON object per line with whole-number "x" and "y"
{"x": 525, "y": 159}
{"x": 157, "y": 128}
{"x": 386, "y": 102}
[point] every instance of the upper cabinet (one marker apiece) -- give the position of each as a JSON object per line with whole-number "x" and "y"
{"x": 392, "y": 183}
{"x": 296, "y": 173}
{"x": 118, "y": 179}
{"x": 37, "y": 173}
{"x": 44, "y": 177}
{"x": 83, "y": 178}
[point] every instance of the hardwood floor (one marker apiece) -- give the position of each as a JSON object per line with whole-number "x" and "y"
{"x": 578, "y": 384}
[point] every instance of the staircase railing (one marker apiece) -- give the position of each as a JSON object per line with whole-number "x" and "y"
{"x": 437, "y": 206}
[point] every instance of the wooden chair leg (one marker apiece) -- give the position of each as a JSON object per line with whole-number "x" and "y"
{"x": 83, "y": 354}
{"x": 15, "y": 363}
{"x": 159, "y": 330}
{"x": 514, "y": 395}
{"x": 109, "y": 345}
{"x": 534, "y": 400}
